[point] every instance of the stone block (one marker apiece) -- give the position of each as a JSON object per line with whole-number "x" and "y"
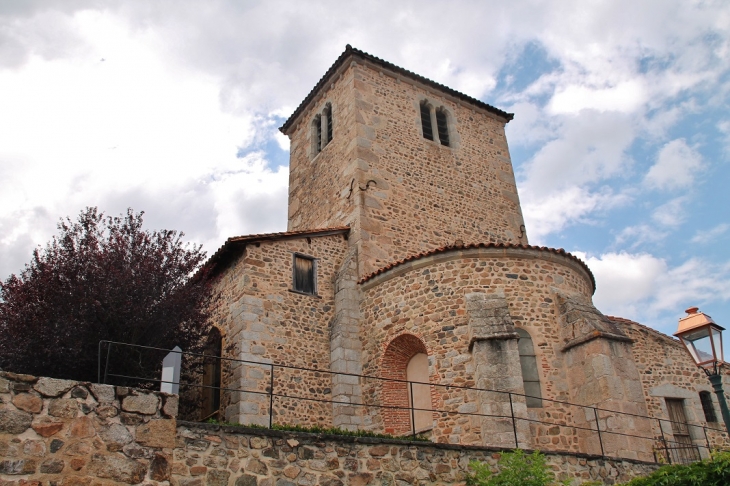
{"x": 28, "y": 403}
{"x": 52, "y": 387}
{"x": 115, "y": 436}
{"x": 170, "y": 408}
{"x": 52, "y": 466}
{"x": 102, "y": 393}
{"x": 63, "y": 407}
{"x": 157, "y": 433}
{"x": 118, "y": 468}
{"x": 145, "y": 403}
{"x": 14, "y": 421}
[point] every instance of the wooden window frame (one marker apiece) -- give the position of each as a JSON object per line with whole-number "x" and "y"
{"x": 294, "y": 288}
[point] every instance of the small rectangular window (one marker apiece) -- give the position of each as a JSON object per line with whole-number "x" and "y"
{"x": 305, "y": 279}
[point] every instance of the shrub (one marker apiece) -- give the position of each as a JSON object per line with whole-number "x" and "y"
{"x": 515, "y": 469}
{"x": 711, "y": 472}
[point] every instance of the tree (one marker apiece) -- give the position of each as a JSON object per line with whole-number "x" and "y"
{"x": 103, "y": 278}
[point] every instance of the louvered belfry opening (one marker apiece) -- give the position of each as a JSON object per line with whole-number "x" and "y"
{"x": 304, "y": 280}
{"x": 426, "y": 121}
{"x": 443, "y": 127}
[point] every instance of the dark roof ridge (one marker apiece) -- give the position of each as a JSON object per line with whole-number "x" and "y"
{"x": 351, "y": 51}
{"x": 423, "y": 254}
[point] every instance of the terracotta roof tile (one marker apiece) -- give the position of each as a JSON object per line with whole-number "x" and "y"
{"x": 557, "y": 251}
{"x": 352, "y": 52}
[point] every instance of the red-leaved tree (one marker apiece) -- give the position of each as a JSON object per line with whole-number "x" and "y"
{"x": 103, "y": 278}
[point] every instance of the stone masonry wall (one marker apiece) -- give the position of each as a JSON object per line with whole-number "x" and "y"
{"x": 427, "y": 298}
{"x": 66, "y": 433}
{"x": 227, "y": 456}
{"x": 667, "y": 371}
{"x": 401, "y": 193}
{"x": 263, "y": 320}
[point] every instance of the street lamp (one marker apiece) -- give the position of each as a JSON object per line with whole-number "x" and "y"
{"x": 703, "y": 339}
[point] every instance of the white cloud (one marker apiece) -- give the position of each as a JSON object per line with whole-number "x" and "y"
{"x": 640, "y": 234}
{"x": 626, "y": 96}
{"x": 676, "y": 167}
{"x": 706, "y": 237}
{"x": 671, "y": 213}
{"x": 642, "y": 286}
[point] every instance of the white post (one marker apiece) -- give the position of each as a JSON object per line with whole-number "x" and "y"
{"x": 171, "y": 371}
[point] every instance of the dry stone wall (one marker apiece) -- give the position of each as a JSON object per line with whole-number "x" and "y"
{"x": 263, "y": 320}
{"x": 227, "y": 456}
{"x": 64, "y": 432}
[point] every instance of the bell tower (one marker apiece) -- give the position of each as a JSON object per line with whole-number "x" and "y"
{"x": 409, "y": 164}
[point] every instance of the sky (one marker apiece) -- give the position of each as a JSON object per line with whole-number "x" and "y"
{"x": 620, "y": 140}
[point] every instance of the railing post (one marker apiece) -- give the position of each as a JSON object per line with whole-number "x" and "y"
{"x": 413, "y": 411}
{"x": 514, "y": 424}
{"x": 598, "y": 429}
{"x": 664, "y": 441}
{"x": 106, "y": 366}
{"x": 271, "y": 397}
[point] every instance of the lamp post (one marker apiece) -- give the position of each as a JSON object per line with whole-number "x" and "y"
{"x": 703, "y": 339}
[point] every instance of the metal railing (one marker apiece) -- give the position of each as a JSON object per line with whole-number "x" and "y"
{"x": 665, "y": 449}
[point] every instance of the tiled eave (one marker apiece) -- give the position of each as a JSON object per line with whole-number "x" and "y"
{"x": 503, "y": 249}
{"x": 235, "y": 244}
{"x": 352, "y": 53}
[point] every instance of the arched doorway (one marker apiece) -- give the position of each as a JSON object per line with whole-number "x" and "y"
{"x": 406, "y": 359}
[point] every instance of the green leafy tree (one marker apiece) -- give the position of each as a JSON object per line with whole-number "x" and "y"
{"x": 515, "y": 469}
{"x": 103, "y": 278}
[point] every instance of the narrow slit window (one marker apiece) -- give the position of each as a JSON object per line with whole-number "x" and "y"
{"x": 328, "y": 114}
{"x": 426, "y": 121}
{"x": 706, "y": 400}
{"x": 305, "y": 275}
{"x": 530, "y": 373}
{"x": 317, "y": 134}
{"x": 443, "y": 127}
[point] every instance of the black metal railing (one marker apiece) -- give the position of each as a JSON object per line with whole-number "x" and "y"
{"x": 665, "y": 449}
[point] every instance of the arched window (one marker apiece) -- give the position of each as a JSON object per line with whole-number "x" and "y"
{"x": 434, "y": 121}
{"x": 406, "y": 359}
{"x": 426, "y": 121}
{"x": 317, "y": 134}
{"x": 706, "y": 400}
{"x": 322, "y": 129}
{"x": 530, "y": 374}
{"x": 211, "y": 391}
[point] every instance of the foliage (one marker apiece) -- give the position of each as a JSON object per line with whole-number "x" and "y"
{"x": 515, "y": 469}
{"x": 711, "y": 472}
{"x": 316, "y": 429}
{"x": 104, "y": 278}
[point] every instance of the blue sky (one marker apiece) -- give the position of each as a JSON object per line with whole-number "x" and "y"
{"x": 620, "y": 140}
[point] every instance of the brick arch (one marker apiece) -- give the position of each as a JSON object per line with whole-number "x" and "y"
{"x": 393, "y": 366}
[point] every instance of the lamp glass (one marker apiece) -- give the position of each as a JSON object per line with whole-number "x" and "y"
{"x": 699, "y": 345}
{"x": 717, "y": 341}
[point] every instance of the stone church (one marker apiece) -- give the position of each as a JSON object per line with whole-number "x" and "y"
{"x": 406, "y": 287}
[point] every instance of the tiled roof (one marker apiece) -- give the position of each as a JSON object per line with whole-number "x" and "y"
{"x": 238, "y": 241}
{"x": 558, "y": 251}
{"x": 621, "y": 320}
{"x": 352, "y": 52}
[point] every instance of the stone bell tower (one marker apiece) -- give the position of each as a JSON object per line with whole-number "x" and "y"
{"x": 409, "y": 164}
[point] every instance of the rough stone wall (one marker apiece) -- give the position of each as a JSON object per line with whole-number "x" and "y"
{"x": 264, "y": 321}
{"x": 426, "y": 195}
{"x": 426, "y": 298}
{"x": 401, "y": 193}
{"x": 224, "y": 456}
{"x": 73, "y": 433}
{"x": 319, "y": 183}
{"x": 667, "y": 371}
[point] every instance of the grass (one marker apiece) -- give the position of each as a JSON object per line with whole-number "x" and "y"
{"x": 315, "y": 429}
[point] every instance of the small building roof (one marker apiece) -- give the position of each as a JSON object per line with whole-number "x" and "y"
{"x": 236, "y": 243}
{"x": 351, "y": 52}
